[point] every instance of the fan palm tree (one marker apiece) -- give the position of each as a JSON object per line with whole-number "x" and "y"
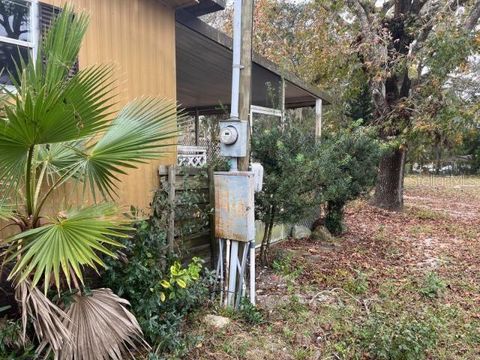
{"x": 58, "y": 128}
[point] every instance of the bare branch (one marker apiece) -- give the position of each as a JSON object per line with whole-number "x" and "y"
{"x": 472, "y": 19}
{"x": 387, "y": 5}
{"x": 361, "y": 13}
{"x": 417, "y": 6}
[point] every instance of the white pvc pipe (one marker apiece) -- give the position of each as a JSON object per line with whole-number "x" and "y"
{"x": 227, "y": 271}
{"x": 237, "y": 44}
{"x": 232, "y": 276}
{"x": 252, "y": 272}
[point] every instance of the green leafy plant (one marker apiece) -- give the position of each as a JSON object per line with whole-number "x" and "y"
{"x": 282, "y": 264}
{"x": 347, "y": 169}
{"x": 286, "y": 155}
{"x": 405, "y": 337}
{"x": 433, "y": 286}
{"x": 146, "y": 264}
{"x": 58, "y": 128}
{"x": 301, "y": 173}
{"x": 357, "y": 284}
{"x": 250, "y": 313}
{"x": 180, "y": 278}
{"x": 11, "y": 346}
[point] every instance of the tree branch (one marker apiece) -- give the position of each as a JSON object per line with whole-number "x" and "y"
{"x": 387, "y": 5}
{"x": 417, "y": 6}
{"x": 429, "y": 20}
{"x": 472, "y": 19}
{"x": 361, "y": 13}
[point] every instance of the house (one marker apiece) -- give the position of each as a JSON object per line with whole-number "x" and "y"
{"x": 158, "y": 48}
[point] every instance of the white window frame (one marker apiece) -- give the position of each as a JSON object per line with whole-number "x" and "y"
{"x": 255, "y": 109}
{"x": 34, "y": 35}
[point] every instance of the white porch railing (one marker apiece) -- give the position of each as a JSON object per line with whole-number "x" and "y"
{"x": 193, "y": 156}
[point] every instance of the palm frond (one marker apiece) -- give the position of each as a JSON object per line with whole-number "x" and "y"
{"x": 72, "y": 111}
{"x": 102, "y": 328}
{"x": 141, "y": 131}
{"x": 6, "y": 211}
{"x": 65, "y": 246}
{"x": 51, "y": 106}
{"x": 59, "y": 157}
{"x": 49, "y": 321}
{"x": 13, "y": 160}
{"x": 61, "y": 45}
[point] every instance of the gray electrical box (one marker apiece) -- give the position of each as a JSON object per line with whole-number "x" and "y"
{"x": 234, "y": 205}
{"x": 233, "y": 136}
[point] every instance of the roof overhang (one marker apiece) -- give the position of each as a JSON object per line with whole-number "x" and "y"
{"x": 196, "y": 7}
{"x": 204, "y": 70}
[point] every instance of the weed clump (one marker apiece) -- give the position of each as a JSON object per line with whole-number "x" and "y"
{"x": 407, "y": 337}
{"x": 433, "y": 286}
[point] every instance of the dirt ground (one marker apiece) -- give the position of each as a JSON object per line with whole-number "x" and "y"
{"x": 394, "y": 286}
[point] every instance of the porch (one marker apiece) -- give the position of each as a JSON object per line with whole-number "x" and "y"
{"x": 204, "y": 70}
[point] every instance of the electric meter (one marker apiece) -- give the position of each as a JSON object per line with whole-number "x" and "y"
{"x": 228, "y": 135}
{"x": 233, "y": 138}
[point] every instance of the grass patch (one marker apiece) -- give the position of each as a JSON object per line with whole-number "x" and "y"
{"x": 427, "y": 214}
{"x": 398, "y": 337}
{"x": 356, "y": 284}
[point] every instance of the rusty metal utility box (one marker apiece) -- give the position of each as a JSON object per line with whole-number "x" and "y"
{"x": 234, "y": 205}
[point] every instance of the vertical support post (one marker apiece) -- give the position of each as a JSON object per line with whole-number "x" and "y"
{"x": 171, "y": 202}
{"x": 252, "y": 272}
{"x": 232, "y": 274}
{"x": 35, "y": 26}
{"x": 318, "y": 118}
{"x": 197, "y": 127}
{"x": 227, "y": 270}
{"x": 246, "y": 74}
{"x": 241, "y": 274}
{"x": 282, "y": 99}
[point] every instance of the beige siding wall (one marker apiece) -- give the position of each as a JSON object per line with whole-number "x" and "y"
{"x": 138, "y": 38}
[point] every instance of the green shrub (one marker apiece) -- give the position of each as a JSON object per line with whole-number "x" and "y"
{"x": 302, "y": 173}
{"x": 249, "y": 313}
{"x": 334, "y": 217}
{"x": 286, "y": 153}
{"x": 346, "y": 163}
{"x": 403, "y": 337}
{"x": 11, "y": 348}
{"x": 160, "y": 290}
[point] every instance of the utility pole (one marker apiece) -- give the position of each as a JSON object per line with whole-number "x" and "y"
{"x": 234, "y": 190}
{"x": 246, "y": 75}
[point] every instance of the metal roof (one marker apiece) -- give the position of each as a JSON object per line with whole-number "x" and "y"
{"x": 204, "y": 61}
{"x": 203, "y": 7}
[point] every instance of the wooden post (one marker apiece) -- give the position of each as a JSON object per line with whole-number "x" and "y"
{"x": 246, "y": 75}
{"x": 282, "y": 97}
{"x": 197, "y": 127}
{"x": 318, "y": 118}
{"x": 172, "y": 173}
{"x": 282, "y": 101}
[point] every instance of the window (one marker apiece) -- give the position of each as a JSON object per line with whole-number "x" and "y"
{"x": 18, "y": 35}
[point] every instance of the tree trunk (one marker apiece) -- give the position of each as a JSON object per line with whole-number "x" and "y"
{"x": 389, "y": 188}
{"x": 263, "y": 247}
{"x": 267, "y": 235}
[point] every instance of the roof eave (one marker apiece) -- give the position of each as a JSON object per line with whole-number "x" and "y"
{"x": 186, "y": 19}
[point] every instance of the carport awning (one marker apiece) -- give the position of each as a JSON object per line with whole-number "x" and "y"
{"x": 204, "y": 60}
